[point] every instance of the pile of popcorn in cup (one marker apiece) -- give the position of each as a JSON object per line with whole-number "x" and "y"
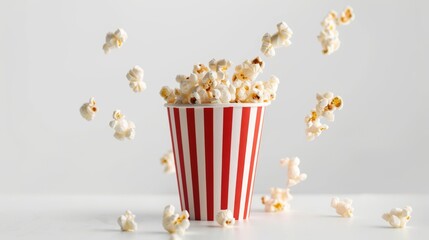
{"x": 212, "y": 84}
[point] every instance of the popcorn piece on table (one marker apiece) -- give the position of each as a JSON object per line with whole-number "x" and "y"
{"x": 167, "y": 161}
{"x": 114, "y": 40}
{"x": 89, "y": 109}
{"x": 135, "y": 76}
{"x": 328, "y": 37}
{"x": 123, "y": 128}
{"x": 278, "y": 201}
{"x": 327, "y": 103}
{"x": 225, "y": 218}
{"x": 126, "y": 222}
{"x": 174, "y": 222}
{"x": 280, "y": 39}
{"x": 294, "y": 174}
{"x": 274, "y": 205}
{"x": 343, "y": 208}
{"x": 398, "y": 217}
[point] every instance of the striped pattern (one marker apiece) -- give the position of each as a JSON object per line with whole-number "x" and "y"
{"x": 216, "y": 152}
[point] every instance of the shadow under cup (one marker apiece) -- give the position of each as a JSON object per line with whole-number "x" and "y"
{"x": 216, "y": 149}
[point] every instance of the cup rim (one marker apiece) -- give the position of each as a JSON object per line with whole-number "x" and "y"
{"x": 217, "y": 105}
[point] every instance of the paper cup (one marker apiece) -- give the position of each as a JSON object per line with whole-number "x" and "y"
{"x": 216, "y": 149}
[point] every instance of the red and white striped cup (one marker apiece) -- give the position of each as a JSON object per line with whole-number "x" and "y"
{"x": 216, "y": 149}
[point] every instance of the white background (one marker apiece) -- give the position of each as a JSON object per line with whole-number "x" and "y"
{"x": 51, "y": 61}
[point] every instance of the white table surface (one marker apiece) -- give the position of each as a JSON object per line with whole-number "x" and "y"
{"x": 311, "y": 217}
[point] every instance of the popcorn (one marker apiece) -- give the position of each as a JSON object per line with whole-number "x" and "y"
{"x": 282, "y": 194}
{"x": 398, "y": 217}
{"x": 294, "y": 174}
{"x": 224, "y": 94}
{"x": 169, "y": 95}
{"x": 314, "y": 129}
{"x": 346, "y": 17}
{"x": 328, "y": 37}
{"x": 174, "y": 222}
{"x": 343, "y": 208}
{"x": 327, "y": 103}
{"x": 89, "y": 109}
{"x": 126, "y": 222}
{"x": 167, "y": 160}
{"x": 123, "y": 128}
{"x": 200, "y": 70}
{"x": 249, "y": 70}
{"x": 279, "y": 199}
{"x": 225, "y": 218}
{"x": 194, "y": 98}
{"x": 279, "y": 39}
{"x": 220, "y": 65}
{"x": 114, "y": 40}
{"x": 210, "y": 85}
{"x": 135, "y": 76}
{"x": 187, "y": 83}
{"x": 274, "y": 205}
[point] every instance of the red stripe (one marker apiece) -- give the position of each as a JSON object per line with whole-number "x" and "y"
{"x": 241, "y": 157}
{"x": 190, "y": 113}
{"x": 208, "y": 140}
{"x": 257, "y": 156}
{"x": 226, "y": 155}
{"x": 252, "y": 163}
{"x": 174, "y": 154}
{"x": 182, "y": 163}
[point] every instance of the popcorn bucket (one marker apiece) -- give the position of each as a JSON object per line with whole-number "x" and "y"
{"x": 216, "y": 149}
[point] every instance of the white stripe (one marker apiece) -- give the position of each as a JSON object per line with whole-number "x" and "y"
{"x": 261, "y": 121}
{"x": 176, "y": 157}
{"x": 247, "y": 161}
{"x": 217, "y": 158}
{"x": 199, "y": 133}
{"x": 187, "y": 160}
{"x": 235, "y": 146}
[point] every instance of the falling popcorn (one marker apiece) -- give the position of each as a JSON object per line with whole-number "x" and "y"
{"x": 280, "y": 39}
{"x": 89, "y": 109}
{"x": 135, "y": 76}
{"x": 327, "y": 103}
{"x": 211, "y": 84}
{"x": 225, "y": 218}
{"x": 167, "y": 161}
{"x": 280, "y": 197}
{"x": 328, "y": 37}
{"x": 398, "y": 217}
{"x": 174, "y": 222}
{"x": 126, "y": 222}
{"x": 343, "y": 208}
{"x": 123, "y": 128}
{"x": 114, "y": 40}
{"x": 294, "y": 174}
{"x": 314, "y": 129}
{"x": 282, "y": 194}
